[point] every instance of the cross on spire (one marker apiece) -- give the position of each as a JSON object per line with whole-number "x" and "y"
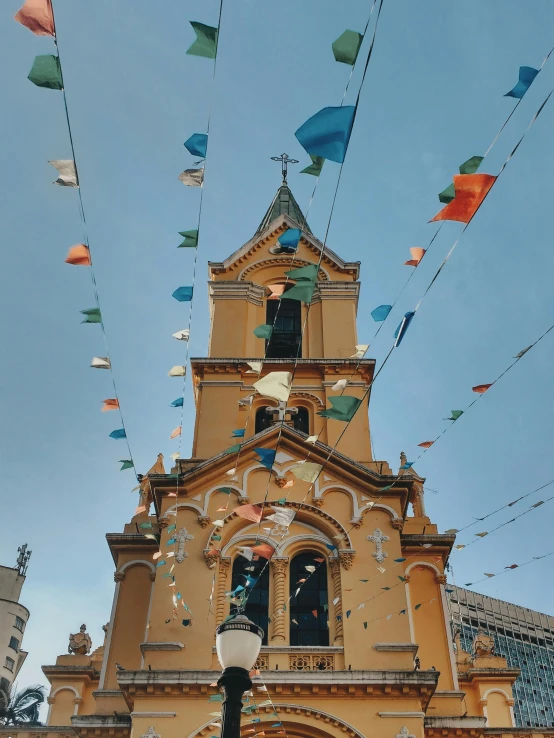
{"x": 285, "y": 161}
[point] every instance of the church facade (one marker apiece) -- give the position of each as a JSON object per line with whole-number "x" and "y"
{"x": 345, "y": 574}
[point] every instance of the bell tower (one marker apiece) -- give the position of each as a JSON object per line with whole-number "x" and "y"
{"x": 319, "y": 339}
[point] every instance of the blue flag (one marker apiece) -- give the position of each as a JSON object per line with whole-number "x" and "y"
{"x": 327, "y": 133}
{"x": 183, "y": 294}
{"x": 400, "y": 332}
{"x": 197, "y": 144}
{"x": 177, "y": 403}
{"x": 119, "y": 433}
{"x": 381, "y": 313}
{"x": 267, "y": 456}
{"x": 526, "y": 77}
{"x": 290, "y": 238}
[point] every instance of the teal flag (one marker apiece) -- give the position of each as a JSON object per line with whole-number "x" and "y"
{"x": 206, "y": 41}
{"x": 346, "y": 47}
{"x": 315, "y": 167}
{"x": 126, "y": 464}
{"x": 343, "y": 408}
{"x": 303, "y": 290}
{"x": 190, "y": 239}
{"x": 263, "y": 331}
{"x": 46, "y": 72}
{"x": 92, "y": 316}
{"x": 232, "y": 449}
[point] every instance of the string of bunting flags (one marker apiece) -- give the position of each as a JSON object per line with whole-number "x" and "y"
{"x": 46, "y": 72}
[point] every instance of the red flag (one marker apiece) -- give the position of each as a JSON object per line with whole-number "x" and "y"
{"x": 426, "y": 444}
{"x": 417, "y": 255}
{"x": 314, "y": 613}
{"x": 471, "y": 190}
{"x": 111, "y": 404}
{"x": 263, "y": 549}
{"x": 36, "y": 15}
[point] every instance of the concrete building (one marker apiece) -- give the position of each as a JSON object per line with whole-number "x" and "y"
{"x": 525, "y": 638}
{"x": 350, "y": 588}
{"x": 13, "y": 619}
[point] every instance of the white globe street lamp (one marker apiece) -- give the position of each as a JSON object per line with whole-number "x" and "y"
{"x": 238, "y": 642}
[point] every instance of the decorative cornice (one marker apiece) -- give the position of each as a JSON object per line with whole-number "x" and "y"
{"x": 233, "y": 290}
{"x": 148, "y": 713}
{"x": 161, "y": 646}
{"x": 413, "y": 647}
{"x": 409, "y": 714}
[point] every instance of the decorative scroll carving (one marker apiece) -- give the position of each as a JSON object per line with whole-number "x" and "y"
{"x": 224, "y": 566}
{"x": 397, "y": 524}
{"x": 334, "y": 565}
{"x": 510, "y": 703}
{"x": 378, "y": 539}
{"x": 317, "y": 502}
{"x": 211, "y": 556}
{"x": 81, "y": 642}
{"x": 203, "y": 521}
{"x": 441, "y": 578}
{"x": 118, "y": 576}
{"x": 262, "y": 662}
{"x": 483, "y": 703}
{"x": 279, "y": 566}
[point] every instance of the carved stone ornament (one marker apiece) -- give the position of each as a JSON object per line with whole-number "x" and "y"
{"x": 118, "y": 576}
{"x": 280, "y": 482}
{"x": 346, "y": 559}
{"x": 81, "y": 642}
{"x": 397, "y": 524}
{"x": 404, "y": 733}
{"x": 483, "y": 703}
{"x": 441, "y": 578}
{"x": 317, "y": 502}
{"x": 203, "y": 521}
{"x": 163, "y": 522}
{"x": 378, "y": 539}
{"x": 483, "y": 644}
{"x": 211, "y": 558}
{"x": 150, "y": 733}
{"x": 181, "y": 537}
{"x": 510, "y": 703}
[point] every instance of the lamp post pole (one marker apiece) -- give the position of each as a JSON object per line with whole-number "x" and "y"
{"x": 238, "y": 642}
{"x": 234, "y": 682}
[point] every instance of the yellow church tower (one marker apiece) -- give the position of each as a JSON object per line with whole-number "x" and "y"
{"x": 345, "y": 574}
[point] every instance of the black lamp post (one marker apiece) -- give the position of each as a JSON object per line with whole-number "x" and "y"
{"x": 238, "y": 644}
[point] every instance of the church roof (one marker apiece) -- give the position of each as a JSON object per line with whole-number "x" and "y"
{"x": 283, "y": 203}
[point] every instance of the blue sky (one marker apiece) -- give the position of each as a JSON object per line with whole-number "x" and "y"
{"x": 433, "y": 97}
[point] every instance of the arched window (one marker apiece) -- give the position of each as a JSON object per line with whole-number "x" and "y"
{"x": 286, "y": 339}
{"x": 309, "y": 610}
{"x": 263, "y": 420}
{"x": 302, "y": 420}
{"x": 254, "y": 577}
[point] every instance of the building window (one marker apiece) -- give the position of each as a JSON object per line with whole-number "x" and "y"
{"x": 14, "y": 643}
{"x": 302, "y": 420}
{"x": 254, "y": 577}
{"x": 286, "y": 339}
{"x": 309, "y": 611}
{"x": 9, "y": 663}
{"x": 19, "y": 624}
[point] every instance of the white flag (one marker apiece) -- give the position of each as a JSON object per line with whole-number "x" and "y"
{"x": 100, "y": 362}
{"x": 183, "y": 335}
{"x": 177, "y": 371}
{"x": 66, "y": 170}
{"x": 192, "y": 177}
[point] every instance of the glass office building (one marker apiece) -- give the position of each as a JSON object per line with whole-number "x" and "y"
{"x": 524, "y": 637}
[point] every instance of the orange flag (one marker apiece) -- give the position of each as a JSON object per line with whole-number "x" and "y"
{"x": 276, "y": 291}
{"x": 79, "y": 255}
{"x": 250, "y": 512}
{"x": 480, "y": 388}
{"x": 471, "y": 190}
{"x": 36, "y": 15}
{"x": 417, "y": 255}
{"x": 426, "y": 444}
{"x": 111, "y": 404}
{"x": 175, "y": 433}
{"x": 263, "y": 549}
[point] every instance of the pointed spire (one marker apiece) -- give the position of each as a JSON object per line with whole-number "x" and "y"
{"x": 284, "y": 202}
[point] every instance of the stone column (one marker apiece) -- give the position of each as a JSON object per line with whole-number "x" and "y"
{"x": 334, "y": 565}
{"x": 224, "y": 565}
{"x": 279, "y": 567}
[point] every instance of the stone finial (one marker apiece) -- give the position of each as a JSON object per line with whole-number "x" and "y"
{"x": 404, "y": 733}
{"x": 81, "y": 642}
{"x": 403, "y": 458}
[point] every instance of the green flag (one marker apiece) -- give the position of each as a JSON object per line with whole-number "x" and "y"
{"x": 447, "y": 195}
{"x": 206, "y": 41}
{"x": 46, "y": 72}
{"x": 471, "y": 165}
{"x": 346, "y": 47}
{"x": 232, "y": 449}
{"x": 263, "y": 331}
{"x": 344, "y": 408}
{"x": 455, "y": 414}
{"x": 306, "y": 278}
{"x": 315, "y": 167}
{"x": 126, "y": 464}
{"x": 190, "y": 239}
{"x": 92, "y": 316}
